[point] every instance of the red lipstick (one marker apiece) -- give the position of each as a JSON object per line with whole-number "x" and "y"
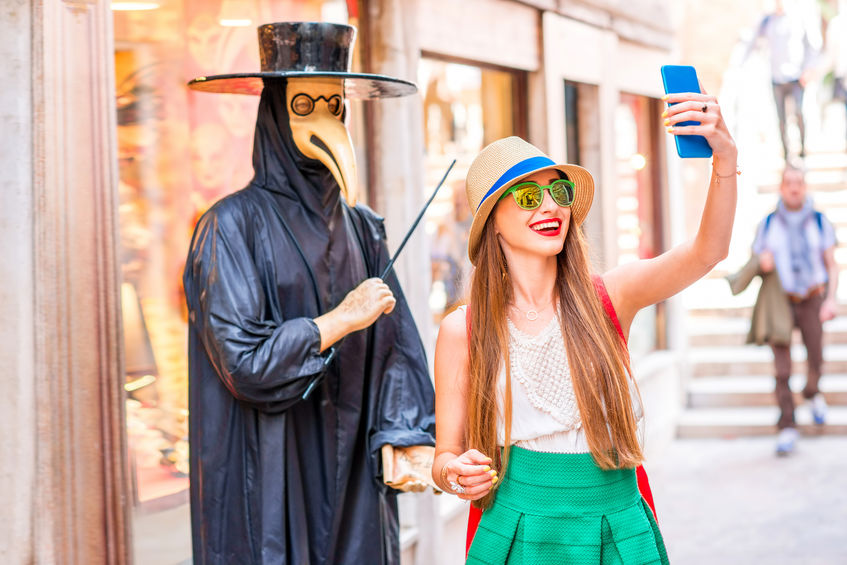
{"x": 550, "y": 227}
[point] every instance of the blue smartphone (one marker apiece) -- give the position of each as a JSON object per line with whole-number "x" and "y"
{"x": 683, "y": 78}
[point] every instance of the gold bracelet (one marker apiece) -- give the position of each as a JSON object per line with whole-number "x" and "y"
{"x": 444, "y": 474}
{"x": 719, "y": 177}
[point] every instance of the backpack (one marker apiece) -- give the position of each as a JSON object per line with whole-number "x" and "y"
{"x": 818, "y": 219}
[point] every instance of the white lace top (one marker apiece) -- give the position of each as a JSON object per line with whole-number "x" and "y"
{"x": 545, "y": 415}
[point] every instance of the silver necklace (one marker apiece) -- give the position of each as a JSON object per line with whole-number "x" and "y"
{"x": 532, "y": 314}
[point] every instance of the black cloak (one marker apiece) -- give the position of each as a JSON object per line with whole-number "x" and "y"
{"x": 276, "y": 479}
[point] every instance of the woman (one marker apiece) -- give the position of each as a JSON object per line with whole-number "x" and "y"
{"x": 533, "y": 383}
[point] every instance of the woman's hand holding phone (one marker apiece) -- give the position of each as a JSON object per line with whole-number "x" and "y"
{"x": 703, "y": 108}
{"x": 694, "y": 117}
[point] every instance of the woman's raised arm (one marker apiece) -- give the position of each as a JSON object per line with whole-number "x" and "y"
{"x": 641, "y": 283}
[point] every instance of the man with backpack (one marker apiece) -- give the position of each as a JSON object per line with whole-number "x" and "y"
{"x": 797, "y": 242}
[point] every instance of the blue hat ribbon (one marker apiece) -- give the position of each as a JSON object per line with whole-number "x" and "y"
{"x": 517, "y": 170}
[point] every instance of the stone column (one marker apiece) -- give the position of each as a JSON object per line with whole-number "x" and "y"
{"x": 63, "y": 468}
{"x": 395, "y": 147}
{"x": 397, "y": 191}
{"x": 17, "y": 358}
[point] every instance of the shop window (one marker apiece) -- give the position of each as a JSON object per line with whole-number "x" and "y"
{"x": 179, "y": 151}
{"x": 465, "y": 107}
{"x": 572, "y": 122}
{"x": 582, "y": 141}
{"x": 639, "y": 204}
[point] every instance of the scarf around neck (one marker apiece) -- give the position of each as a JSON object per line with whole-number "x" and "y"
{"x": 795, "y": 222}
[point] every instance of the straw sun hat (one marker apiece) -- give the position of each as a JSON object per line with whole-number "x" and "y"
{"x": 506, "y": 162}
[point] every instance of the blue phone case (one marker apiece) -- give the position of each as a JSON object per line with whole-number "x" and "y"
{"x": 683, "y": 78}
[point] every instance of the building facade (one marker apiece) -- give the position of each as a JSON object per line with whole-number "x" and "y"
{"x": 108, "y": 160}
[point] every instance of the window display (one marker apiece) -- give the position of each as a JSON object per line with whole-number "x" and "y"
{"x": 464, "y": 109}
{"x": 639, "y": 217}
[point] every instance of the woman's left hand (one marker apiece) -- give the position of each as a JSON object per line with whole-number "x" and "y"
{"x": 703, "y": 108}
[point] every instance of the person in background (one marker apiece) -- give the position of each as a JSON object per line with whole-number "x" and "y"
{"x": 798, "y": 242}
{"x": 538, "y": 418}
{"x": 792, "y": 47}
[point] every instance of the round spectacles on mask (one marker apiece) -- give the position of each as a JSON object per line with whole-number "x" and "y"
{"x": 303, "y": 104}
{"x": 529, "y": 195}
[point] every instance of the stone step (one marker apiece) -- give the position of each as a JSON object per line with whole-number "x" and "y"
{"x": 826, "y": 181}
{"x": 718, "y": 392}
{"x": 824, "y": 159}
{"x": 825, "y": 172}
{"x": 711, "y": 297}
{"x": 745, "y": 360}
{"x": 745, "y": 312}
{"x": 753, "y": 421}
{"x": 711, "y": 331}
{"x": 837, "y": 214}
{"x": 717, "y": 311}
{"x": 733, "y": 307}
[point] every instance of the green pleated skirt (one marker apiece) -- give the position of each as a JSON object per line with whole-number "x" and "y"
{"x": 562, "y": 508}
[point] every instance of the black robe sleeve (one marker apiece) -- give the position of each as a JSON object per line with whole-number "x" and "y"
{"x": 403, "y": 408}
{"x": 406, "y": 402}
{"x": 261, "y": 361}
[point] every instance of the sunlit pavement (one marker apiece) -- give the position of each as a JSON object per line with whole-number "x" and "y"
{"x": 732, "y": 501}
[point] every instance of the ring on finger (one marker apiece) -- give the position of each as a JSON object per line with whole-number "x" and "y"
{"x": 705, "y": 108}
{"x": 456, "y": 487}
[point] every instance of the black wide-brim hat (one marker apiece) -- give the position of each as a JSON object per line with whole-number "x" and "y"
{"x": 307, "y": 50}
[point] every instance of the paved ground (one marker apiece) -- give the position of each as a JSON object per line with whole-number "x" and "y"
{"x": 732, "y": 501}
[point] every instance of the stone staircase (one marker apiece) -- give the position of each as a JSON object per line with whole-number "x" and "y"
{"x": 731, "y": 387}
{"x": 730, "y": 390}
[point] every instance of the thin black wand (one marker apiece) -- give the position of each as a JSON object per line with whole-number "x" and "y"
{"x": 319, "y": 377}
{"x": 416, "y": 222}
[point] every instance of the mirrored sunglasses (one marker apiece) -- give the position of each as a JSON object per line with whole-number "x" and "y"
{"x": 529, "y": 195}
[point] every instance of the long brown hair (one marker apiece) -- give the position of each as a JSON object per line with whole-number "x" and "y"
{"x": 599, "y": 363}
